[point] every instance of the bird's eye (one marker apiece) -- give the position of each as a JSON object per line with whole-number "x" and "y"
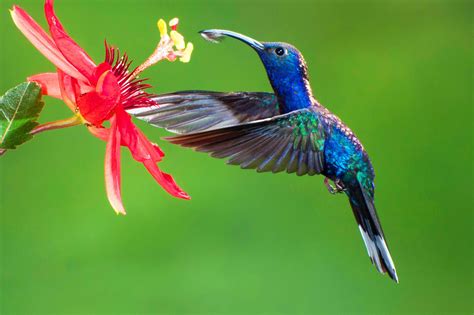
{"x": 280, "y": 51}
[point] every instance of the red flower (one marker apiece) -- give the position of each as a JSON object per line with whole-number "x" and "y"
{"x": 99, "y": 93}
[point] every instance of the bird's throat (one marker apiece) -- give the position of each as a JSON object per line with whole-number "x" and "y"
{"x": 293, "y": 93}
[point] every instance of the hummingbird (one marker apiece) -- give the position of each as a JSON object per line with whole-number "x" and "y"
{"x": 287, "y": 130}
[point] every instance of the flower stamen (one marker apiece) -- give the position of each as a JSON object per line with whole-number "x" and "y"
{"x": 169, "y": 47}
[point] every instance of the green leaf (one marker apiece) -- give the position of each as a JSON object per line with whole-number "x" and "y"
{"x": 19, "y": 110}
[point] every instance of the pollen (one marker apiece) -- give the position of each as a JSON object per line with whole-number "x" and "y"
{"x": 162, "y": 27}
{"x": 178, "y": 40}
{"x": 186, "y": 57}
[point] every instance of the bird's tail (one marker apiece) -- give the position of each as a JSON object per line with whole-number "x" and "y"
{"x": 362, "y": 204}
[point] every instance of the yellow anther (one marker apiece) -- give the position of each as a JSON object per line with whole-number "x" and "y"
{"x": 162, "y": 27}
{"x": 178, "y": 40}
{"x": 174, "y": 23}
{"x": 186, "y": 57}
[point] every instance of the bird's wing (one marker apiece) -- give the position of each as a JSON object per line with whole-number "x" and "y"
{"x": 193, "y": 111}
{"x": 293, "y": 142}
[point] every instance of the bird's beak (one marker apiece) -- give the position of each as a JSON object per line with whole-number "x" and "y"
{"x": 217, "y": 35}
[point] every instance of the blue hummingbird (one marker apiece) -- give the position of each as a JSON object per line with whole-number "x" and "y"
{"x": 288, "y": 130}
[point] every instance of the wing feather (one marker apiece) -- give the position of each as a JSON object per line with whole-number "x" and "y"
{"x": 293, "y": 142}
{"x": 194, "y": 111}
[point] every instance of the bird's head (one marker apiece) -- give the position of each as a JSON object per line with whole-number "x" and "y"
{"x": 285, "y": 65}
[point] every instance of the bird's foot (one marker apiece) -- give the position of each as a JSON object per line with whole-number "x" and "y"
{"x": 337, "y": 188}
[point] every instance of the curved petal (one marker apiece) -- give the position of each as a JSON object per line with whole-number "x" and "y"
{"x": 112, "y": 169}
{"x": 99, "y": 105}
{"x": 99, "y": 132}
{"x": 147, "y": 153}
{"x": 67, "y": 87}
{"x": 102, "y": 133}
{"x": 140, "y": 147}
{"x": 108, "y": 87}
{"x": 68, "y": 47}
{"x": 43, "y": 42}
{"x": 94, "y": 108}
{"x": 49, "y": 84}
{"x": 165, "y": 180}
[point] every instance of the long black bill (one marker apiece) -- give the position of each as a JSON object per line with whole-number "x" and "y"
{"x": 216, "y": 36}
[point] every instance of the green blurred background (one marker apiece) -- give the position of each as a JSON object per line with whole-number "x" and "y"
{"x": 398, "y": 72}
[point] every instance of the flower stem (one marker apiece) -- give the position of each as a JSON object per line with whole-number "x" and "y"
{"x": 58, "y": 124}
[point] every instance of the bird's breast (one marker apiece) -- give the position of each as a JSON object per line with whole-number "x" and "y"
{"x": 343, "y": 152}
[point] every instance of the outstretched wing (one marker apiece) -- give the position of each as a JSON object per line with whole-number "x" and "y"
{"x": 293, "y": 142}
{"x": 193, "y": 111}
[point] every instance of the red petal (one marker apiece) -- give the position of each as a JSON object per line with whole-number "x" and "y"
{"x": 146, "y": 152}
{"x": 68, "y": 47}
{"x": 165, "y": 180}
{"x": 49, "y": 84}
{"x": 99, "y": 132}
{"x": 43, "y": 42}
{"x": 157, "y": 149}
{"x": 99, "y": 105}
{"x": 108, "y": 87}
{"x": 94, "y": 108}
{"x": 112, "y": 168}
{"x": 68, "y": 87}
{"x": 100, "y": 69}
{"x": 103, "y": 134}
{"x": 140, "y": 147}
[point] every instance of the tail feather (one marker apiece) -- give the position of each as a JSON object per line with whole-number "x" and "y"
{"x": 369, "y": 225}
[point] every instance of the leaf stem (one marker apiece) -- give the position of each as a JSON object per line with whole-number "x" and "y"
{"x": 58, "y": 124}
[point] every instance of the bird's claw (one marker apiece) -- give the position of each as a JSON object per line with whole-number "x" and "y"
{"x": 337, "y": 188}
